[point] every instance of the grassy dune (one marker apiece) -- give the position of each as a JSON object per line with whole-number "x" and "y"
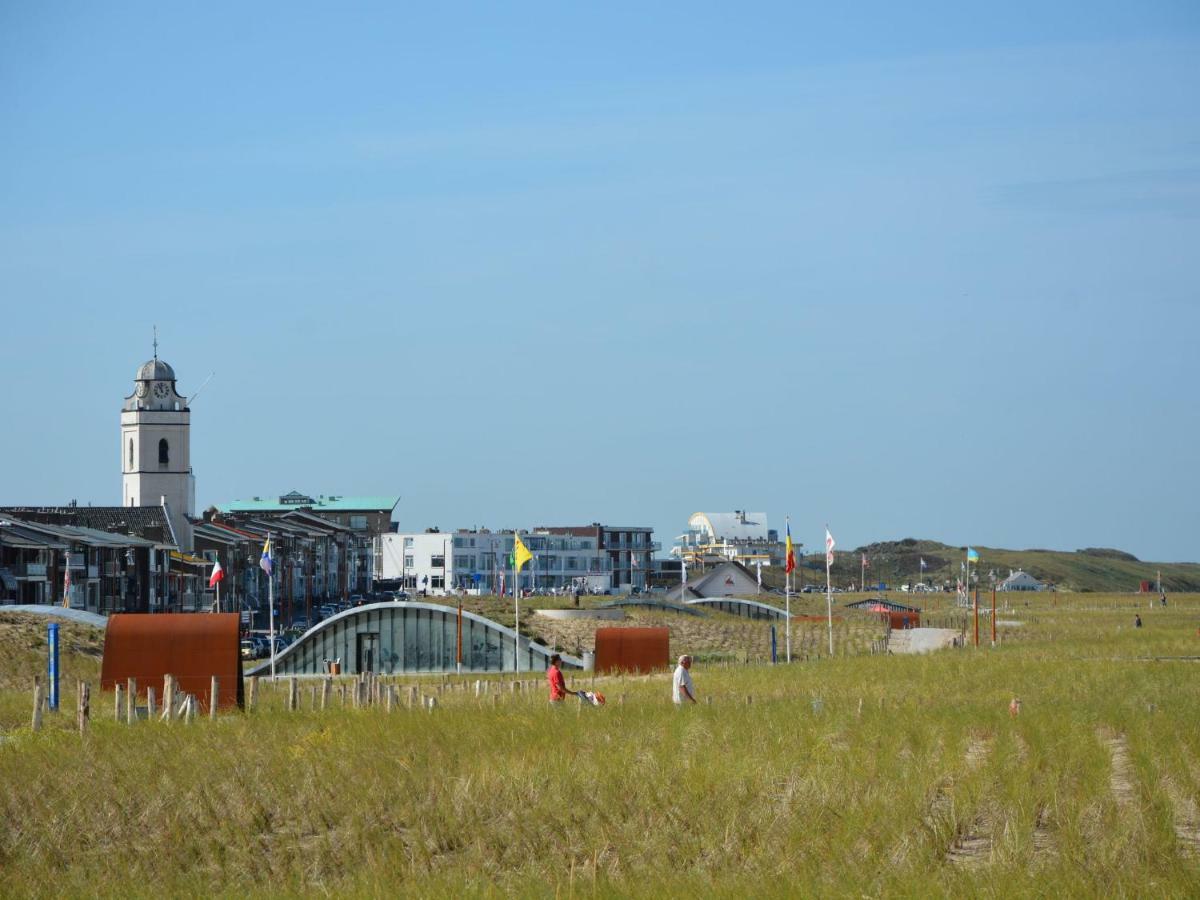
{"x": 862, "y": 775}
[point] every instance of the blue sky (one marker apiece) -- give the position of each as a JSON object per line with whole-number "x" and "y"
{"x": 915, "y": 272}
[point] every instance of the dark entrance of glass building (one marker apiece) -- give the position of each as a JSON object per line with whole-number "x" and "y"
{"x": 368, "y": 651}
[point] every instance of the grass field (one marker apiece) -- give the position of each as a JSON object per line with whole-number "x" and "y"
{"x": 864, "y": 775}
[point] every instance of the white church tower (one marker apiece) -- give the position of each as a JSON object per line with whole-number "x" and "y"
{"x": 156, "y": 462}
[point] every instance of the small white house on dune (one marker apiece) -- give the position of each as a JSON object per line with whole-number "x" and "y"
{"x": 1020, "y": 581}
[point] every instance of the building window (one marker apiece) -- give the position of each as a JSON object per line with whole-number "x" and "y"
{"x": 131, "y": 454}
{"x": 459, "y": 543}
{"x": 164, "y": 454}
{"x": 437, "y": 582}
{"x": 437, "y": 562}
{"x": 408, "y": 542}
{"x": 408, "y": 562}
{"x": 358, "y": 523}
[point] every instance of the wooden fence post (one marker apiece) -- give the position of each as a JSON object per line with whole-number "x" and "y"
{"x": 151, "y": 704}
{"x": 214, "y": 697}
{"x": 85, "y": 705}
{"x": 37, "y": 704}
{"x": 326, "y": 689}
{"x": 293, "y": 694}
{"x": 118, "y": 702}
{"x": 130, "y": 701}
{"x": 169, "y": 698}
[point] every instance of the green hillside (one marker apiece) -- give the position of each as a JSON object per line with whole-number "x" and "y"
{"x": 1089, "y": 569}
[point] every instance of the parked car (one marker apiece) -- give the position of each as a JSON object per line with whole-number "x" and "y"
{"x": 327, "y": 610}
{"x": 299, "y": 626}
{"x": 248, "y": 649}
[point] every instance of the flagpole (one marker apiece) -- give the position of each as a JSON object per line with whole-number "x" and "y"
{"x": 516, "y": 609}
{"x": 829, "y": 589}
{"x": 271, "y": 604}
{"x": 787, "y": 592}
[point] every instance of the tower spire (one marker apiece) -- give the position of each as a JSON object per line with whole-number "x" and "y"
{"x": 156, "y": 342}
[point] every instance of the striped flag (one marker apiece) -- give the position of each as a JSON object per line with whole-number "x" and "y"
{"x": 264, "y": 562}
{"x": 790, "y": 559}
{"x": 829, "y": 545}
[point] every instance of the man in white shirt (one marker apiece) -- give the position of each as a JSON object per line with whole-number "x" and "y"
{"x": 681, "y": 684}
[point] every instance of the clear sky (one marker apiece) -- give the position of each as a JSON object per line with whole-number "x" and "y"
{"x": 921, "y": 270}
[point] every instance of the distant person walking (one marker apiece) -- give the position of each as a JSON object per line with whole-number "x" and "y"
{"x": 554, "y": 678}
{"x": 681, "y": 684}
{"x": 1162, "y": 598}
{"x": 1137, "y": 621}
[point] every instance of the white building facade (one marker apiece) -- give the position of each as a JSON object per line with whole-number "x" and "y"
{"x": 441, "y": 563}
{"x": 739, "y": 536}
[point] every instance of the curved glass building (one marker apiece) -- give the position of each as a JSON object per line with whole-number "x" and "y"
{"x": 395, "y": 638}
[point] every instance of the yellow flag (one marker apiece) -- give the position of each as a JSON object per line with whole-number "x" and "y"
{"x": 521, "y": 554}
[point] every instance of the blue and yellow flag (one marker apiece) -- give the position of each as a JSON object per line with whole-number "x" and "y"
{"x": 972, "y": 555}
{"x": 264, "y": 562}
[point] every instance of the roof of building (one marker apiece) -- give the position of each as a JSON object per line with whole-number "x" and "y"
{"x": 879, "y": 603}
{"x": 733, "y": 526}
{"x": 296, "y": 500}
{"x": 155, "y": 370}
{"x": 62, "y": 536}
{"x": 148, "y": 522}
{"x": 1020, "y": 576}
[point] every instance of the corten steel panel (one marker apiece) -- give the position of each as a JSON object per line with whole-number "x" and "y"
{"x": 903, "y": 619}
{"x": 632, "y": 649}
{"x": 191, "y": 646}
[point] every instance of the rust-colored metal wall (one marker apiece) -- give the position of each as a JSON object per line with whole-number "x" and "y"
{"x": 904, "y": 619}
{"x": 193, "y": 647}
{"x": 632, "y": 649}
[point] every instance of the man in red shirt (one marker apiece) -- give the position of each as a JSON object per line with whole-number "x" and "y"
{"x": 558, "y": 684}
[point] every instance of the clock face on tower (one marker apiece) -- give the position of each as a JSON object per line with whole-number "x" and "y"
{"x": 161, "y": 390}
{"x": 142, "y": 389}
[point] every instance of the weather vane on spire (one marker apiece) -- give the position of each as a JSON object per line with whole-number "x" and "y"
{"x": 156, "y": 342}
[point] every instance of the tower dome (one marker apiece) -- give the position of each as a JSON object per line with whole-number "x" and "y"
{"x": 155, "y": 370}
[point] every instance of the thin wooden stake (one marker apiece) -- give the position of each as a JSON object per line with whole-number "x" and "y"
{"x": 151, "y": 704}
{"x": 85, "y": 705}
{"x": 214, "y": 697}
{"x": 252, "y": 701}
{"x": 37, "y": 704}
{"x": 118, "y": 702}
{"x": 130, "y": 701}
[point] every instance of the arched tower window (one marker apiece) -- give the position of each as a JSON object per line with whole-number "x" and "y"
{"x": 131, "y": 454}
{"x": 164, "y": 455}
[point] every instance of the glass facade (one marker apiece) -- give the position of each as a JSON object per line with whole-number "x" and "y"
{"x": 396, "y": 638}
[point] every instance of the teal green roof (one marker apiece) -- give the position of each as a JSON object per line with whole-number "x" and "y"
{"x": 296, "y": 500}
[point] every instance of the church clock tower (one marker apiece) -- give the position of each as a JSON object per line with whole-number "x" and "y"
{"x": 156, "y": 460}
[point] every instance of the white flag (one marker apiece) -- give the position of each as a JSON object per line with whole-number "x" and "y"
{"x": 829, "y": 545}
{"x": 683, "y": 566}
